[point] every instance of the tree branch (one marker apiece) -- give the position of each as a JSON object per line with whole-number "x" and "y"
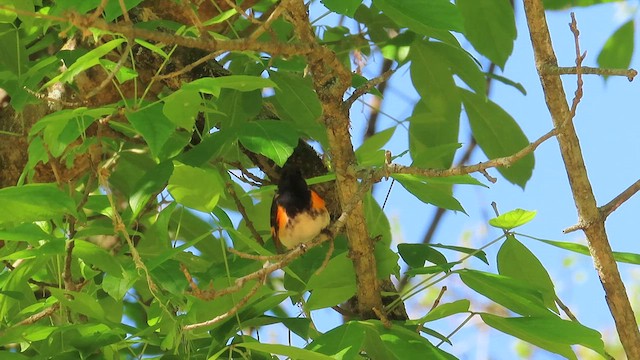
{"x": 557, "y": 70}
{"x": 506, "y": 161}
{"x": 331, "y": 80}
{"x": 588, "y": 212}
{"x": 612, "y": 205}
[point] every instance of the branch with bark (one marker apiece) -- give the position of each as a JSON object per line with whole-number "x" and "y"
{"x": 588, "y": 212}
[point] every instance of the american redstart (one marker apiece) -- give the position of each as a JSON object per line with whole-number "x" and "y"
{"x": 298, "y": 214}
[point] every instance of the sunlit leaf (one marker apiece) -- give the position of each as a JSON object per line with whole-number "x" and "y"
{"x": 512, "y": 219}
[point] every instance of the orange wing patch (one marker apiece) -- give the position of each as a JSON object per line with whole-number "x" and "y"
{"x": 281, "y": 217}
{"x": 316, "y": 201}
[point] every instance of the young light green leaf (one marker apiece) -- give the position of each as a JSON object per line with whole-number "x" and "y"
{"x": 518, "y": 262}
{"x": 237, "y": 82}
{"x": 289, "y": 351}
{"x": 550, "y": 333}
{"x": 271, "y": 138}
{"x": 197, "y": 188}
{"x": 182, "y": 107}
{"x": 34, "y": 202}
{"x": 370, "y": 153}
{"x": 422, "y": 16}
{"x": 617, "y": 51}
{"x": 84, "y": 62}
{"x": 442, "y": 311}
{"x": 490, "y": 27}
{"x": 623, "y": 257}
{"x": 512, "y": 219}
{"x": 498, "y": 135}
{"x": 508, "y": 292}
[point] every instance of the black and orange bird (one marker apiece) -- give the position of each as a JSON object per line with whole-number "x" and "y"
{"x": 298, "y": 214}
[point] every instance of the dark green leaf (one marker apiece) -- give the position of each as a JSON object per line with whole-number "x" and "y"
{"x": 498, "y": 135}
{"x": 271, "y": 138}
{"x": 296, "y": 101}
{"x": 516, "y": 261}
{"x": 438, "y": 195}
{"x": 197, "y": 188}
{"x": 149, "y": 185}
{"x": 422, "y": 16}
{"x": 238, "y": 106}
{"x": 415, "y": 255}
{"x": 358, "y": 80}
{"x": 512, "y": 219}
{"x": 34, "y": 202}
{"x": 508, "y": 292}
{"x": 474, "y": 252}
{"x": 153, "y": 125}
{"x": 95, "y": 255}
{"x": 343, "y": 7}
{"x": 490, "y": 27}
{"x": 335, "y": 284}
{"x": 550, "y": 333}
{"x": 617, "y": 51}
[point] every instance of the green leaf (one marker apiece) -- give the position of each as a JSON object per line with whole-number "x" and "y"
{"x": 28, "y": 232}
{"x": 490, "y": 27}
{"x": 516, "y": 261}
{"x": 289, "y": 351}
{"x": 512, "y": 219}
{"x": 623, "y": 257}
{"x": 84, "y": 62}
{"x": 565, "y": 4}
{"x": 550, "y": 333}
{"x": 236, "y": 82}
{"x": 618, "y": 50}
{"x": 422, "y": 16}
{"x": 395, "y": 343}
{"x": 238, "y": 106}
{"x": 34, "y": 202}
{"x": 80, "y": 302}
{"x": 153, "y": 125}
{"x": 415, "y": 255}
{"x": 370, "y": 153}
{"x": 437, "y": 195}
{"x": 442, "y": 311}
{"x": 335, "y": 284}
{"x": 95, "y": 255}
{"x": 498, "y": 135}
{"x": 271, "y": 138}
{"x": 474, "y": 252}
{"x": 296, "y": 101}
{"x": 509, "y": 82}
{"x": 182, "y": 108}
{"x": 343, "y": 7}
{"x": 149, "y": 185}
{"x": 462, "y": 64}
{"x": 508, "y": 292}
{"x": 124, "y": 73}
{"x": 194, "y": 187}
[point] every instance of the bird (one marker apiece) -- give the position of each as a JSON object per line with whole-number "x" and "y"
{"x": 298, "y": 214}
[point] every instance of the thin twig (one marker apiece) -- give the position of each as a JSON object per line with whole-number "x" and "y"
{"x": 436, "y": 302}
{"x": 243, "y": 212}
{"x": 612, "y": 205}
{"x": 326, "y": 258}
{"x": 230, "y": 312}
{"x": 125, "y": 13}
{"x": 41, "y": 315}
{"x": 66, "y": 273}
{"x": 630, "y": 74}
{"x": 579, "y": 58}
{"x": 367, "y": 87}
{"x": 254, "y": 257}
{"x": 99, "y": 10}
{"x": 266, "y": 26}
{"x": 566, "y": 309}
{"x": 189, "y": 67}
{"x": 506, "y": 161}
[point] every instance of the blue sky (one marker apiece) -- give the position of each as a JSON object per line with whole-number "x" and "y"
{"x": 608, "y": 128}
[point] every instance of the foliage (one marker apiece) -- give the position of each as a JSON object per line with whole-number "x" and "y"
{"x": 125, "y": 249}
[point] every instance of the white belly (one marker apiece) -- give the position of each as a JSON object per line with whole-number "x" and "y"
{"x": 303, "y": 228}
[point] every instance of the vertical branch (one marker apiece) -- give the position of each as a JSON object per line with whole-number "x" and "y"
{"x": 591, "y": 220}
{"x": 331, "y": 80}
